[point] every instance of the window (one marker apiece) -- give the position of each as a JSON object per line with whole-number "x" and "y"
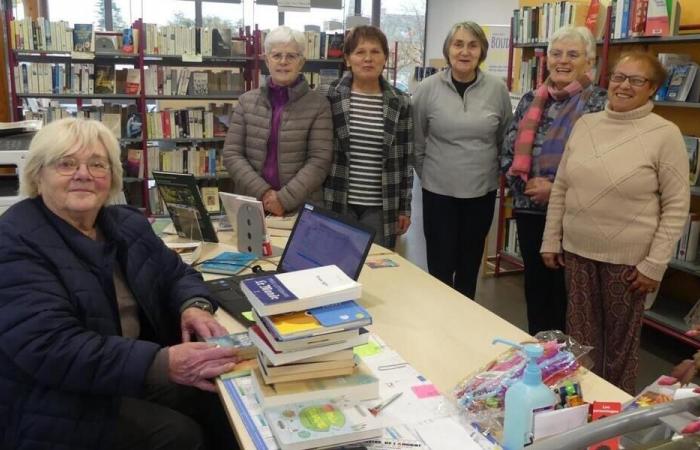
{"x": 78, "y": 11}
{"x": 168, "y": 12}
{"x": 317, "y": 16}
{"x": 125, "y": 13}
{"x": 403, "y": 21}
{"x": 226, "y": 15}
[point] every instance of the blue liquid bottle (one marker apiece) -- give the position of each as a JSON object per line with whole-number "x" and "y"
{"x": 524, "y": 398}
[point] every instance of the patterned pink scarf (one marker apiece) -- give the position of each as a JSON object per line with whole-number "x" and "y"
{"x": 527, "y": 128}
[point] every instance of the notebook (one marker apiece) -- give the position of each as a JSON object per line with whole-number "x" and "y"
{"x": 319, "y": 238}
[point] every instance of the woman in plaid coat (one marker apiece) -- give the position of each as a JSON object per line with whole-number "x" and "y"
{"x": 372, "y": 173}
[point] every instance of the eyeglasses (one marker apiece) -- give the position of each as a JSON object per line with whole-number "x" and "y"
{"x": 68, "y": 166}
{"x": 559, "y": 54}
{"x": 634, "y": 80}
{"x": 291, "y": 57}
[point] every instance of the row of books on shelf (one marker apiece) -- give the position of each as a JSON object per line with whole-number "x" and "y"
{"x": 538, "y": 23}
{"x": 510, "y": 233}
{"x": 687, "y": 246}
{"x": 178, "y": 40}
{"x": 88, "y": 79}
{"x": 194, "y": 123}
{"x": 321, "y": 45}
{"x": 532, "y": 72}
{"x": 636, "y": 18}
{"x": 41, "y": 34}
{"x": 198, "y": 160}
{"x": 123, "y": 120}
{"x": 165, "y": 80}
{"x": 683, "y": 82}
{"x": 630, "y": 18}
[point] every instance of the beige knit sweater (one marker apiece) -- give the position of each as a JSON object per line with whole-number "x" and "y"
{"x": 621, "y": 195}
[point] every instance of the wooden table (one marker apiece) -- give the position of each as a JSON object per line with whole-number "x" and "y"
{"x": 443, "y": 334}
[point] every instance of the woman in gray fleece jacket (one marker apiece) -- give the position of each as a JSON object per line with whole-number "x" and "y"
{"x": 460, "y": 116}
{"x": 279, "y": 144}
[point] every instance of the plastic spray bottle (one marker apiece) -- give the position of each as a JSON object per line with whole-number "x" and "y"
{"x": 524, "y": 398}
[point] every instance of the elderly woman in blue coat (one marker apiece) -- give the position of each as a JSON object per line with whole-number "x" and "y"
{"x": 97, "y": 315}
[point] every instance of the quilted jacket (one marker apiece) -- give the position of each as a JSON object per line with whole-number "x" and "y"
{"x": 63, "y": 362}
{"x": 305, "y": 145}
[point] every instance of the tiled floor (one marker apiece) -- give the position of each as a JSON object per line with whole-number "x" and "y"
{"x": 504, "y": 296}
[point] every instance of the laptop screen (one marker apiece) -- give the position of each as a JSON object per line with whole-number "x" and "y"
{"x": 321, "y": 237}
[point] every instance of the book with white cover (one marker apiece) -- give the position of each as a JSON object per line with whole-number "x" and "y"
{"x": 299, "y": 290}
{"x": 279, "y": 358}
{"x": 321, "y": 423}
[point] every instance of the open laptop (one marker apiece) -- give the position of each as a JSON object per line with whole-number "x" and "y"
{"x": 319, "y": 238}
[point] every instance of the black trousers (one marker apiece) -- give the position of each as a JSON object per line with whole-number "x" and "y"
{"x": 173, "y": 417}
{"x": 545, "y": 289}
{"x": 455, "y": 233}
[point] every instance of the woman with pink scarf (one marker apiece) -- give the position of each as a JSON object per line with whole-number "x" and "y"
{"x": 532, "y": 149}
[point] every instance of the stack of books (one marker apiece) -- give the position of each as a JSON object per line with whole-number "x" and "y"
{"x": 305, "y": 330}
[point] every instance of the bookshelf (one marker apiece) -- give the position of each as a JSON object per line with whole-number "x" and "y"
{"x": 680, "y": 288}
{"x": 60, "y": 93}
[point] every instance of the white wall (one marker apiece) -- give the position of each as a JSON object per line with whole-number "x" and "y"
{"x": 442, "y": 14}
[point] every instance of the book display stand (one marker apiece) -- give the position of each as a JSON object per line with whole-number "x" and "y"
{"x": 250, "y": 229}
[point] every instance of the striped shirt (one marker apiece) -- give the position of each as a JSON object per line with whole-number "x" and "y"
{"x": 366, "y": 152}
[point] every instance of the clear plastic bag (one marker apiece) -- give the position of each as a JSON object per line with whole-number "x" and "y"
{"x": 481, "y": 394}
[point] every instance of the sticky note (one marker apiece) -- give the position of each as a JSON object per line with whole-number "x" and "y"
{"x": 369, "y": 349}
{"x": 248, "y": 315}
{"x": 425, "y": 390}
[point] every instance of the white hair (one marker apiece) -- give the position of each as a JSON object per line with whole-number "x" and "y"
{"x": 64, "y": 136}
{"x": 582, "y": 34}
{"x": 285, "y": 35}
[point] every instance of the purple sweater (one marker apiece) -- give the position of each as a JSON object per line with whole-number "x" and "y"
{"x": 278, "y": 96}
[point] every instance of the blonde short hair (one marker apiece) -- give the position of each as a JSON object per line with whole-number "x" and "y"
{"x": 61, "y": 137}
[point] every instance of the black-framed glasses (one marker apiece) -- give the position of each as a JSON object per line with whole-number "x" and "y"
{"x": 98, "y": 168}
{"x": 634, "y": 80}
{"x": 279, "y": 56}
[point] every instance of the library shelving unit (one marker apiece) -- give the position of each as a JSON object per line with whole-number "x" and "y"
{"x": 137, "y": 189}
{"x": 680, "y": 288}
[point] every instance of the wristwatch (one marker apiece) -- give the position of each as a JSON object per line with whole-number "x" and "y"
{"x": 203, "y": 305}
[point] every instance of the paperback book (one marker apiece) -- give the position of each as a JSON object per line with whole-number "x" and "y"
{"x": 280, "y": 358}
{"x": 306, "y": 373}
{"x": 83, "y": 38}
{"x": 321, "y": 423}
{"x": 359, "y": 386}
{"x": 241, "y": 341}
{"x": 317, "y": 321}
{"x": 319, "y": 339}
{"x": 227, "y": 263}
{"x": 300, "y": 290}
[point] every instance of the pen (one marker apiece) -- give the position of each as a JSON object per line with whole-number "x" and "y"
{"x": 377, "y": 409}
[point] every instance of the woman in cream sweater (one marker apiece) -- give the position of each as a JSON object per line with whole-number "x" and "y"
{"x": 616, "y": 210}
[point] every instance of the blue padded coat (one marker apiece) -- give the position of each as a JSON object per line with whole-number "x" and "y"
{"x": 63, "y": 363}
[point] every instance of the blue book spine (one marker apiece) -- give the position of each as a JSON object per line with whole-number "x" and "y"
{"x": 269, "y": 290}
{"x": 212, "y": 161}
{"x": 624, "y": 31}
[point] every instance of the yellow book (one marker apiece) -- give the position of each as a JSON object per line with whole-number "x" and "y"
{"x": 296, "y": 322}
